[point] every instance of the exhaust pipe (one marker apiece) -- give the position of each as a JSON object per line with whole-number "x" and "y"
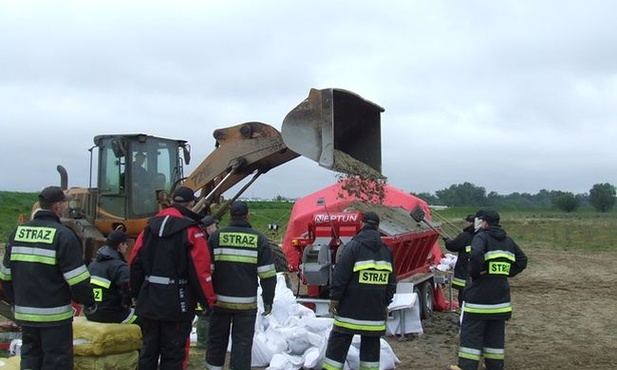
{"x": 64, "y": 177}
{"x": 333, "y": 126}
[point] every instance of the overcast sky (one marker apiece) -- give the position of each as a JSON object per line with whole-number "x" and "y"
{"x": 513, "y": 96}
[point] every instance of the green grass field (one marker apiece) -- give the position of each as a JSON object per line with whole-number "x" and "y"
{"x": 584, "y": 229}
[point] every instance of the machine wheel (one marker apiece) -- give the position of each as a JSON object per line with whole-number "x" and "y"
{"x": 426, "y": 299}
{"x": 280, "y": 259}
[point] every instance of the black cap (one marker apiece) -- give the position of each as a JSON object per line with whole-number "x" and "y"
{"x": 470, "y": 218}
{"x": 52, "y": 194}
{"x": 370, "y": 218}
{"x": 238, "y": 208}
{"x": 183, "y": 195}
{"x": 491, "y": 217}
{"x": 209, "y": 220}
{"x": 116, "y": 238}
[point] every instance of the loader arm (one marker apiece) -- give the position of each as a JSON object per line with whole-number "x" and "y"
{"x": 241, "y": 150}
{"x": 334, "y": 127}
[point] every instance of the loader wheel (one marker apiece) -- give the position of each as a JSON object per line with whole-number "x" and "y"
{"x": 280, "y": 259}
{"x": 426, "y": 300}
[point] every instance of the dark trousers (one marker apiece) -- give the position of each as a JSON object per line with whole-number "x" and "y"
{"x": 168, "y": 340}
{"x": 338, "y": 346}
{"x": 47, "y": 348}
{"x": 481, "y": 338}
{"x": 242, "y": 328}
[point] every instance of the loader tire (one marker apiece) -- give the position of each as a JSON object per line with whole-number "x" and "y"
{"x": 280, "y": 259}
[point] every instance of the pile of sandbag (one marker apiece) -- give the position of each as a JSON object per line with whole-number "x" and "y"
{"x": 98, "y": 346}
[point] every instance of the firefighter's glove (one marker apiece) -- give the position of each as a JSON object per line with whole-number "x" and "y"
{"x": 267, "y": 310}
{"x": 333, "y": 308}
{"x": 89, "y": 310}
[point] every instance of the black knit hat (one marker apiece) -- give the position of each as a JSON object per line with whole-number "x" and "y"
{"x": 52, "y": 194}
{"x": 370, "y": 218}
{"x": 491, "y": 217}
{"x": 238, "y": 208}
{"x": 116, "y": 238}
{"x": 183, "y": 195}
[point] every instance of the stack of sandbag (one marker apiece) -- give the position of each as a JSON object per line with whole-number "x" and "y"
{"x": 11, "y": 363}
{"x": 98, "y": 346}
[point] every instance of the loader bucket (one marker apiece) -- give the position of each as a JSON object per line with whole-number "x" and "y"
{"x": 331, "y": 125}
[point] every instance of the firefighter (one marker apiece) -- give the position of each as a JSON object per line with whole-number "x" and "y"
{"x": 461, "y": 244}
{"x": 43, "y": 269}
{"x": 494, "y": 258}
{"x": 109, "y": 277}
{"x": 363, "y": 285}
{"x": 170, "y": 274}
{"x": 241, "y": 256}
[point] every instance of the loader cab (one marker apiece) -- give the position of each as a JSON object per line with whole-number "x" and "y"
{"x": 132, "y": 169}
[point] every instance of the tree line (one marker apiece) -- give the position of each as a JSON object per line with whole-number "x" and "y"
{"x": 601, "y": 197}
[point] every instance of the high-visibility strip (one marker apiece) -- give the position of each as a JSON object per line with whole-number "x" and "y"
{"x": 232, "y": 299}
{"x": 5, "y": 273}
{"x": 77, "y": 275}
{"x": 266, "y": 271}
{"x": 228, "y": 258}
{"x": 494, "y": 353}
{"x": 330, "y": 364}
{"x": 236, "y": 303}
{"x": 130, "y": 318}
{"x": 163, "y": 280}
{"x": 100, "y": 281}
{"x": 468, "y": 249}
{"x": 372, "y": 264}
{"x": 366, "y": 325}
{"x": 491, "y": 255}
{"x": 50, "y": 314}
{"x": 459, "y": 282}
{"x": 469, "y": 353}
{"x": 162, "y": 229}
{"x": 235, "y": 251}
{"x": 238, "y": 239}
{"x": 33, "y": 254}
{"x": 35, "y": 234}
{"x": 267, "y": 274}
{"x": 366, "y": 365}
{"x": 200, "y": 235}
{"x": 488, "y": 308}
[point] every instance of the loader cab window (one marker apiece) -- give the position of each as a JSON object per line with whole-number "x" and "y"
{"x": 151, "y": 167}
{"x": 111, "y": 168}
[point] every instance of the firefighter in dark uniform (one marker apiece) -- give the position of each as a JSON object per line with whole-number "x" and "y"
{"x": 109, "y": 277}
{"x": 363, "y": 285}
{"x": 241, "y": 256}
{"x": 461, "y": 244}
{"x": 43, "y": 269}
{"x": 494, "y": 258}
{"x": 170, "y": 273}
